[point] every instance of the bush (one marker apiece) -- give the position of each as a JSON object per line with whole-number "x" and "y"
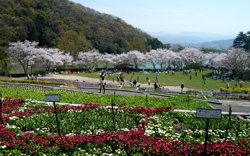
{"x": 236, "y": 90}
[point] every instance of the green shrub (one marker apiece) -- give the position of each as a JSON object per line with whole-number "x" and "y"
{"x": 236, "y": 90}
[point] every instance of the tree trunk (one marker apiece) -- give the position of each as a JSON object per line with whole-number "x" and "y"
{"x": 5, "y": 68}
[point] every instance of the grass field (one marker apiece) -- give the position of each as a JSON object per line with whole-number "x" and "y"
{"x": 168, "y": 80}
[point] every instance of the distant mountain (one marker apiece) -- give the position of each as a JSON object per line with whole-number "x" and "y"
{"x": 220, "y": 44}
{"x": 194, "y": 39}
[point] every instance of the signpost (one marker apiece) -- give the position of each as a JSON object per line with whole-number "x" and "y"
{"x": 54, "y": 98}
{"x": 146, "y": 93}
{"x": 1, "y": 108}
{"x": 208, "y": 114}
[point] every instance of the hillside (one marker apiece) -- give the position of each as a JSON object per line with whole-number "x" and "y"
{"x": 220, "y": 44}
{"x": 69, "y": 26}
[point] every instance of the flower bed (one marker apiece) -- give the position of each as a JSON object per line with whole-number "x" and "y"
{"x": 135, "y": 140}
{"x": 36, "y": 82}
{"x": 76, "y": 83}
{"x": 38, "y": 93}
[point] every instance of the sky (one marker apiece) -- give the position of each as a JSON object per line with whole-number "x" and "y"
{"x": 227, "y": 17}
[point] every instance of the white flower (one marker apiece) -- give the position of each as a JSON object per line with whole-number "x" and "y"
{"x": 4, "y": 146}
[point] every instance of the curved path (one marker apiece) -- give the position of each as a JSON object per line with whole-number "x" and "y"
{"x": 238, "y": 107}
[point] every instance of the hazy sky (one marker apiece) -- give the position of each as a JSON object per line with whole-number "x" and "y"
{"x": 227, "y": 17}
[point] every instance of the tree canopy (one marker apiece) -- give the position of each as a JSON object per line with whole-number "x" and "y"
{"x": 242, "y": 41}
{"x": 51, "y": 22}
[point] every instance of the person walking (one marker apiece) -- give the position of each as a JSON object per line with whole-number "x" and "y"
{"x": 190, "y": 77}
{"x": 205, "y": 80}
{"x": 148, "y": 81}
{"x": 122, "y": 79}
{"x": 182, "y": 86}
{"x": 102, "y": 82}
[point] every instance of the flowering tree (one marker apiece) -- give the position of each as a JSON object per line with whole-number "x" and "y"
{"x": 107, "y": 59}
{"x": 88, "y": 59}
{"x": 218, "y": 62}
{"x": 176, "y": 61}
{"x": 210, "y": 58}
{"x": 163, "y": 56}
{"x": 48, "y": 57}
{"x": 66, "y": 59}
{"x": 237, "y": 60}
{"x": 136, "y": 57}
{"x": 191, "y": 56}
{"x": 23, "y": 53}
{"x": 121, "y": 60}
{"x": 152, "y": 57}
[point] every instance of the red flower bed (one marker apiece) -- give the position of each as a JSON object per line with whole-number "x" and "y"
{"x": 130, "y": 141}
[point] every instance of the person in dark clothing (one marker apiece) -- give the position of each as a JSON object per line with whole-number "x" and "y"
{"x": 134, "y": 82}
{"x": 182, "y": 86}
{"x": 102, "y": 82}
{"x": 156, "y": 86}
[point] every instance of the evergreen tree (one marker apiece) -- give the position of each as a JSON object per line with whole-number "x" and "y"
{"x": 242, "y": 41}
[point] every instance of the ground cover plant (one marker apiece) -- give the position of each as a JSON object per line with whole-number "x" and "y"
{"x": 36, "y": 93}
{"x": 152, "y": 132}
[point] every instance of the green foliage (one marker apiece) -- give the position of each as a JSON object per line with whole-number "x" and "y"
{"x": 119, "y": 100}
{"x": 83, "y": 122}
{"x": 49, "y": 21}
{"x": 187, "y": 128}
{"x": 3, "y": 62}
{"x": 155, "y": 43}
{"x": 207, "y": 50}
{"x": 242, "y": 41}
{"x": 138, "y": 44}
{"x": 74, "y": 43}
{"x": 236, "y": 90}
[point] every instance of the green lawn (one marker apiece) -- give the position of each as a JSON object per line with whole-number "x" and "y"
{"x": 168, "y": 80}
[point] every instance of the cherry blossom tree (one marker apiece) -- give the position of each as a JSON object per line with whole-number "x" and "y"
{"x": 136, "y": 57}
{"x": 191, "y": 56}
{"x": 152, "y": 58}
{"x": 163, "y": 56}
{"x": 89, "y": 59}
{"x": 66, "y": 59}
{"x": 176, "y": 61}
{"x": 49, "y": 57}
{"x": 23, "y": 53}
{"x": 121, "y": 60}
{"x": 209, "y": 57}
{"x": 237, "y": 60}
{"x": 218, "y": 61}
{"x": 107, "y": 60}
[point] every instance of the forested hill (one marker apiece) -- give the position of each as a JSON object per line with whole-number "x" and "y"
{"x": 70, "y": 27}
